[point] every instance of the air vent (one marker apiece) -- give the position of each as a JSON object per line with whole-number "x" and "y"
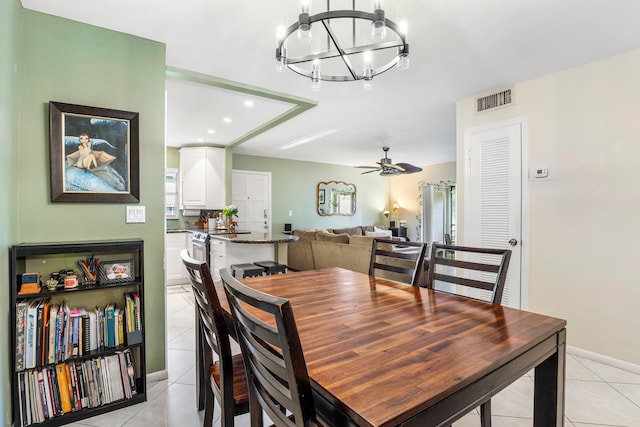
{"x": 498, "y": 99}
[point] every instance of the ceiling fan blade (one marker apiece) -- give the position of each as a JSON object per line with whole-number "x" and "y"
{"x": 409, "y": 168}
{"x": 397, "y": 166}
{"x": 372, "y": 170}
{"x": 369, "y": 167}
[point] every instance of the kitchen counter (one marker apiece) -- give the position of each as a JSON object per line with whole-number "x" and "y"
{"x": 254, "y": 237}
{"x": 230, "y": 249}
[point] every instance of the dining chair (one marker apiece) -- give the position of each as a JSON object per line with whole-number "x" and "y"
{"x": 276, "y": 370}
{"x": 473, "y": 268}
{"x": 401, "y": 261}
{"x": 227, "y": 379}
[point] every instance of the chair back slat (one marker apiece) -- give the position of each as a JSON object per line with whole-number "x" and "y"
{"x": 404, "y": 264}
{"x": 490, "y": 268}
{"x": 276, "y": 369}
{"x": 214, "y": 329}
{"x": 447, "y": 264}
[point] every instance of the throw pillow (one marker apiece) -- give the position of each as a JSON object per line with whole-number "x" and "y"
{"x": 333, "y": 238}
{"x": 305, "y": 235}
{"x": 381, "y": 233}
{"x": 361, "y": 240}
{"x": 353, "y": 231}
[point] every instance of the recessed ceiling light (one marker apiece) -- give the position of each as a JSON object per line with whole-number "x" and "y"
{"x": 227, "y": 120}
{"x": 200, "y": 140}
{"x": 248, "y": 103}
{"x": 211, "y": 131}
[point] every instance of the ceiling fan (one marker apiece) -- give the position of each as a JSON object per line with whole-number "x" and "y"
{"x": 387, "y": 168}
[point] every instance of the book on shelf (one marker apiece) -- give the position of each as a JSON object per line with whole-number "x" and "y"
{"x": 131, "y": 374}
{"x": 30, "y": 331}
{"x": 63, "y": 388}
{"x": 109, "y": 313}
{"x": 55, "y": 392}
{"x": 44, "y": 390}
{"x": 51, "y": 347}
{"x": 86, "y": 334}
{"x": 21, "y": 324}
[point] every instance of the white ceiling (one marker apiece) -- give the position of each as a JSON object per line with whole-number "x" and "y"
{"x": 459, "y": 48}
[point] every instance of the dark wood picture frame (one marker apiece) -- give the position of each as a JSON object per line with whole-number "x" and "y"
{"x": 106, "y": 167}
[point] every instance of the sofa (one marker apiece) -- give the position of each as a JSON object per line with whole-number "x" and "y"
{"x": 348, "y": 248}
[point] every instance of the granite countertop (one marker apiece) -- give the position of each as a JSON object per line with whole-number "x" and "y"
{"x": 256, "y": 237}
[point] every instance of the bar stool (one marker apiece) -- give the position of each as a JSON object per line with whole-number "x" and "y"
{"x": 271, "y": 267}
{"x": 246, "y": 270}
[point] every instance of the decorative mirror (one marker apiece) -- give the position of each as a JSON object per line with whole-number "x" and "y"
{"x": 336, "y": 198}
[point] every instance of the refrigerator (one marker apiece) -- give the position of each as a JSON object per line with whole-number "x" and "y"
{"x": 438, "y": 213}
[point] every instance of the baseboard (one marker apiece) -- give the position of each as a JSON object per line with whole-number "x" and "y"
{"x": 616, "y": 363}
{"x": 157, "y": 376}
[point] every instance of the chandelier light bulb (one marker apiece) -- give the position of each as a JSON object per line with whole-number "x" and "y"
{"x": 404, "y": 27}
{"x": 403, "y": 62}
{"x": 304, "y": 24}
{"x": 315, "y": 76}
{"x": 378, "y": 27}
{"x": 281, "y": 65}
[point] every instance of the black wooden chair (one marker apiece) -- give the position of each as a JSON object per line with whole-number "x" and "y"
{"x": 486, "y": 271}
{"x": 276, "y": 369}
{"x": 227, "y": 377}
{"x": 404, "y": 262}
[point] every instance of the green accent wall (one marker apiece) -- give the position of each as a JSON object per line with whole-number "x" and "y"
{"x": 294, "y": 185}
{"x": 67, "y": 61}
{"x": 10, "y": 29}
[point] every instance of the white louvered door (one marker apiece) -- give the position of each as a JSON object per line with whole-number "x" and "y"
{"x": 493, "y": 202}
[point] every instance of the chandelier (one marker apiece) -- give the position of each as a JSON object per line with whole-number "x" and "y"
{"x": 342, "y": 45}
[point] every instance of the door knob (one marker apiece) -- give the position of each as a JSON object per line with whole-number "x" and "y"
{"x": 513, "y": 242}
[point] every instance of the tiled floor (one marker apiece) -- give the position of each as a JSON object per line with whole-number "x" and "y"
{"x": 596, "y": 394}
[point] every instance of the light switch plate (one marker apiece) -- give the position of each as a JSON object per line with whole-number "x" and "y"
{"x": 135, "y": 214}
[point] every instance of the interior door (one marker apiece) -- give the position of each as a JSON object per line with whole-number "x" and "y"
{"x": 493, "y": 196}
{"x": 251, "y": 192}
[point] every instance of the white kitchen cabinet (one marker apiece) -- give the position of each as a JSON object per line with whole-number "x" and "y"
{"x": 217, "y": 256}
{"x": 202, "y": 172}
{"x": 175, "y": 272}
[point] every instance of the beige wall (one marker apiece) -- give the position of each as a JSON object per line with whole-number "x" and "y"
{"x": 583, "y": 124}
{"x": 405, "y": 190}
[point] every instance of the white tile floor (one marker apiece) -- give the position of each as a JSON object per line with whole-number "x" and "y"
{"x": 596, "y": 394}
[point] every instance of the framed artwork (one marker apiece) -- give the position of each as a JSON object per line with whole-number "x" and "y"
{"x": 94, "y": 154}
{"x": 116, "y": 271}
{"x": 321, "y": 197}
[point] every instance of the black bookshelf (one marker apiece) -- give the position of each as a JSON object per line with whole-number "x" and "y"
{"x": 45, "y": 258}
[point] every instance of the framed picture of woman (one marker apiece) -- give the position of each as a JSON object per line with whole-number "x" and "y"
{"x": 94, "y": 154}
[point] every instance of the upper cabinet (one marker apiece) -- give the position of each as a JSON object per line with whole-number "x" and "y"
{"x": 202, "y": 172}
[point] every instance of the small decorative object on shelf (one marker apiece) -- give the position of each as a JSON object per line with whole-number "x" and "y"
{"x": 234, "y": 225}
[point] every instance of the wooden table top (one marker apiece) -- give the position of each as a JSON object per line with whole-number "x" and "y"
{"x": 383, "y": 351}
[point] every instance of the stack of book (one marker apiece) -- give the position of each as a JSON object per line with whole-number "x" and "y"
{"x": 49, "y": 333}
{"x": 62, "y": 388}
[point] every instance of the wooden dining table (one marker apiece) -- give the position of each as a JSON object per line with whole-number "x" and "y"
{"x": 383, "y": 353}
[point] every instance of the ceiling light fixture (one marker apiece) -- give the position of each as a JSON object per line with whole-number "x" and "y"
{"x": 347, "y": 49}
{"x": 248, "y": 103}
{"x": 227, "y": 120}
{"x": 307, "y": 139}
